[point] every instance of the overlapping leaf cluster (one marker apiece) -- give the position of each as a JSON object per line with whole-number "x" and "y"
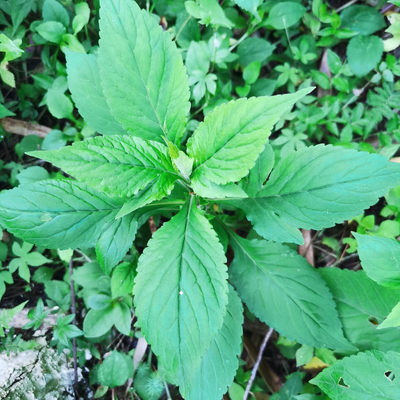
{"x": 135, "y": 92}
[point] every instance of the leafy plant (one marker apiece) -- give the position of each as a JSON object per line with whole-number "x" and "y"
{"x": 208, "y": 184}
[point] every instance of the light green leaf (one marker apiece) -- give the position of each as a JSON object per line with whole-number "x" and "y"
{"x": 180, "y": 299}
{"x": 275, "y": 281}
{"x": 227, "y": 144}
{"x": 117, "y": 165}
{"x": 205, "y": 188}
{"x": 250, "y": 6}
{"x": 57, "y": 214}
{"x": 87, "y": 93}
{"x": 115, "y": 241}
{"x": 380, "y": 259}
{"x": 362, "y": 305}
{"x": 81, "y": 18}
{"x": 315, "y": 188}
{"x": 364, "y": 53}
{"x": 218, "y": 366}
{"x": 60, "y": 106}
{"x": 7, "y": 315}
{"x": 393, "y": 319}
{"x": 52, "y": 31}
{"x": 285, "y": 14}
{"x": 208, "y": 12}
{"x": 146, "y": 84}
{"x": 372, "y": 375}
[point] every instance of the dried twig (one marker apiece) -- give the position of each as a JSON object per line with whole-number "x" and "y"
{"x": 24, "y": 128}
{"x": 307, "y": 249}
{"x": 257, "y": 363}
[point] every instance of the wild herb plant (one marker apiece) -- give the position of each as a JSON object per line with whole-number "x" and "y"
{"x": 135, "y": 91}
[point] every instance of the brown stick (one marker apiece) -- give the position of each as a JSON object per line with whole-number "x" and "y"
{"x": 270, "y": 378}
{"x": 24, "y": 128}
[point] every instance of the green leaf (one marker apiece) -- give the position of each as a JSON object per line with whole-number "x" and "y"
{"x": 81, "y": 18}
{"x": 218, "y": 366}
{"x": 315, "y": 188}
{"x": 205, "y": 188}
{"x": 126, "y": 164}
{"x": 53, "y": 11}
{"x": 362, "y": 305}
{"x": 115, "y": 241}
{"x": 362, "y": 19}
{"x": 60, "y": 106}
{"x": 32, "y": 175}
{"x": 87, "y": 93}
{"x": 57, "y": 214}
{"x": 7, "y": 315}
{"x": 209, "y": 12}
{"x": 273, "y": 281}
{"x": 364, "y": 53}
{"x": 180, "y": 299}
{"x": 227, "y": 144}
{"x": 372, "y": 375}
{"x": 52, "y": 31}
{"x": 145, "y": 84}
{"x": 393, "y": 319}
{"x": 253, "y": 183}
{"x": 122, "y": 280}
{"x": 285, "y": 14}
{"x": 380, "y": 259}
{"x": 115, "y": 369}
{"x": 254, "y": 49}
{"x": 250, "y": 6}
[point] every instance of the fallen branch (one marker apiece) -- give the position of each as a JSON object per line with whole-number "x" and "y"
{"x": 24, "y": 128}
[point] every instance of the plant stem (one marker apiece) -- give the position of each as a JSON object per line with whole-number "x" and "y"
{"x": 73, "y": 310}
{"x": 257, "y": 363}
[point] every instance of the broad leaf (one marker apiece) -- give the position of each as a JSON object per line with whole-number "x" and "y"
{"x": 364, "y": 53}
{"x": 118, "y": 165}
{"x": 380, "y": 259}
{"x": 285, "y": 14}
{"x": 275, "y": 281}
{"x": 87, "y": 93}
{"x": 362, "y": 305}
{"x": 181, "y": 291}
{"x": 372, "y": 375}
{"x": 315, "y": 188}
{"x": 115, "y": 241}
{"x": 362, "y": 19}
{"x": 218, "y": 366}
{"x": 142, "y": 72}
{"x": 228, "y": 142}
{"x": 57, "y": 214}
{"x": 253, "y": 183}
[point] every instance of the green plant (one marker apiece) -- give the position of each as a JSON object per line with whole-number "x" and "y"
{"x": 209, "y": 185}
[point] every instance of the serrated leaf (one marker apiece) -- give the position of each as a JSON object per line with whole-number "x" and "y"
{"x": 274, "y": 280}
{"x": 362, "y": 305}
{"x": 146, "y": 84}
{"x": 218, "y": 366}
{"x": 315, "y": 188}
{"x": 87, "y": 93}
{"x": 57, "y": 214}
{"x": 372, "y": 375}
{"x": 115, "y": 241}
{"x": 380, "y": 259}
{"x": 364, "y": 53}
{"x": 205, "y": 188}
{"x": 228, "y": 142}
{"x": 253, "y": 183}
{"x": 118, "y": 165}
{"x": 180, "y": 300}
{"x": 250, "y": 6}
